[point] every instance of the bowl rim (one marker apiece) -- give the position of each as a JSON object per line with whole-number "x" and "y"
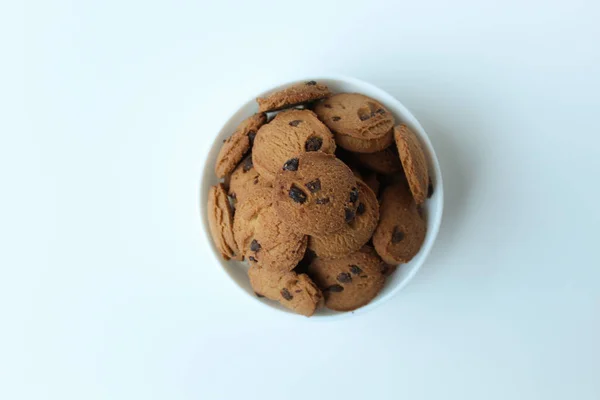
{"x": 432, "y": 230}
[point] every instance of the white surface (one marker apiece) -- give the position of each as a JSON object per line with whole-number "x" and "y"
{"x": 432, "y": 209}
{"x": 107, "y": 291}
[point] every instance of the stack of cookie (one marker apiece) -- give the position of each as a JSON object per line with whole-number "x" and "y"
{"x": 322, "y": 196}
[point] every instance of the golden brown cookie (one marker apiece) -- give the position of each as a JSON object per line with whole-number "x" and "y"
{"x": 349, "y": 282}
{"x": 297, "y": 94}
{"x": 264, "y": 238}
{"x": 238, "y": 144}
{"x": 245, "y": 180}
{"x": 294, "y": 291}
{"x": 287, "y": 135}
{"x": 316, "y": 193}
{"x": 414, "y": 162}
{"x": 384, "y": 162}
{"x": 353, "y": 235}
{"x": 401, "y": 230}
{"x": 220, "y": 221}
{"x": 355, "y": 115}
{"x": 364, "y": 145}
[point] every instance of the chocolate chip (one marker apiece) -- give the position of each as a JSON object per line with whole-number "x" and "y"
{"x": 311, "y": 83}
{"x": 314, "y": 186}
{"x": 322, "y": 201}
{"x": 252, "y": 259}
{"x": 397, "y": 235}
{"x": 297, "y": 194}
{"x": 286, "y": 294}
{"x": 361, "y": 209}
{"x": 255, "y": 246}
{"x": 336, "y": 118}
{"x": 344, "y": 277}
{"x": 380, "y": 111}
{"x": 298, "y": 290}
{"x": 313, "y": 143}
{"x": 327, "y": 105}
{"x": 365, "y": 117}
{"x": 349, "y": 215}
{"x": 353, "y": 195}
{"x": 258, "y": 294}
{"x": 355, "y": 269}
{"x": 335, "y": 288}
{"x": 251, "y": 136}
{"x": 295, "y": 122}
{"x": 291, "y": 165}
{"x": 224, "y": 140}
{"x": 256, "y": 180}
{"x": 247, "y": 164}
{"x": 430, "y": 189}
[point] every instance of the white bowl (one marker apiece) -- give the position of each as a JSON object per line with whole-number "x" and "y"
{"x": 237, "y": 271}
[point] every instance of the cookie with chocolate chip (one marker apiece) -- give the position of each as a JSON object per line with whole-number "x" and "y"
{"x": 349, "y": 282}
{"x": 220, "y": 221}
{"x": 413, "y": 161}
{"x": 294, "y": 291}
{"x": 238, "y": 144}
{"x": 263, "y": 237}
{"x": 290, "y": 133}
{"x": 316, "y": 192}
{"x": 355, "y": 115}
{"x": 401, "y": 229}
{"x": 245, "y": 180}
{"x": 294, "y": 95}
{"x": 384, "y": 162}
{"x": 353, "y": 235}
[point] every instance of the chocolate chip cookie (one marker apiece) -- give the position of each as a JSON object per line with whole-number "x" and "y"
{"x": 355, "y": 115}
{"x": 245, "y": 180}
{"x": 316, "y": 192}
{"x": 414, "y": 162}
{"x": 264, "y": 238}
{"x": 349, "y": 282}
{"x": 294, "y": 291}
{"x": 290, "y": 133}
{"x": 238, "y": 144}
{"x": 385, "y": 161}
{"x": 293, "y": 95}
{"x": 401, "y": 230}
{"x": 364, "y": 145}
{"x": 354, "y": 234}
{"x": 220, "y": 221}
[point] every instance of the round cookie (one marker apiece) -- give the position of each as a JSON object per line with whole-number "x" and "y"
{"x": 413, "y": 161}
{"x": 245, "y": 180}
{"x": 401, "y": 230}
{"x": 238, "y": 144}
{"x": 293, "y": 95}
{"x": 384, "y": 162}
{"x": 220, "y": 221}
{"x": 288, "y": 134}
{"x": 354, "y": 235}
{"x": 355, "y": 115}
{"x": 316, "y": 192}
{"x": 294, "y": 291}
{"x": 364, "y": 145}
{"x": 349, "y": 282}
{"x": 264, "y": 238}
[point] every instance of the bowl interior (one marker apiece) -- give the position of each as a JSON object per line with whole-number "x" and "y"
{"x": 433, "y": 207}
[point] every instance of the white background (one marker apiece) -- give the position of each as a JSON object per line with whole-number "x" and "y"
{"x": 107, "y": 286}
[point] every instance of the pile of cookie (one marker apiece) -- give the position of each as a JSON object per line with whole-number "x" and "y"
{"x": 322, "y": 196}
